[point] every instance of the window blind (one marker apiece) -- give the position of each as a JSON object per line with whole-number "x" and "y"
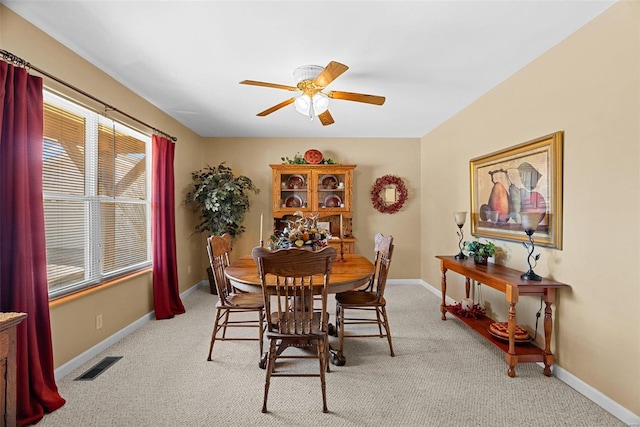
{"x": 96, "y": 197}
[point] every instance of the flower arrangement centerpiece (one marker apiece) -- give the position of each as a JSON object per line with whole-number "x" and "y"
{"x": 301, "y": 232}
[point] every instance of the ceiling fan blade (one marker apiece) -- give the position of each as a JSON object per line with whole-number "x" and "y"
{"x": 265, "y": 84}
{"x": 332, "y": 71}
{"x": 276, "y": 107}
{"x": 358, "y": 97}
{"x": 326, "y": 119}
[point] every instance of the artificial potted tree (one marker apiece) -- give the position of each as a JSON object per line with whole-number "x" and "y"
{"x": 222, "y": 200}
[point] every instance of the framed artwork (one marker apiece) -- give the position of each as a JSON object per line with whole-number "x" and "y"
{"x": 523, "y": 178}
{"x": 324, "y": 225}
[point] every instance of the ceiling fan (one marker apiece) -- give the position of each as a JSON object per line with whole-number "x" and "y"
{"x": 311, "y": 101}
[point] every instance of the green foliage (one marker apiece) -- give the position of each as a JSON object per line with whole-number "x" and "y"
{"x": 478, "y": 249}
{"x": 221, "y": 199}
{"x": 298, "y": 159}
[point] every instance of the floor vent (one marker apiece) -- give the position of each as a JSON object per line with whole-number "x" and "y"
{"x": 99, "y": 368}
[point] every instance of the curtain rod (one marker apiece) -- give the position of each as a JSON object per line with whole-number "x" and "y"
{"x": 8, "y": 56}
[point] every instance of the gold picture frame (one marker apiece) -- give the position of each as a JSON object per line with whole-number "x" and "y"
{"x": 525, "y": 177}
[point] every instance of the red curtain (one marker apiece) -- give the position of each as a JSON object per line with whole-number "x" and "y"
{"x": 166, "y": 295}
{"x": 23, "y": 257}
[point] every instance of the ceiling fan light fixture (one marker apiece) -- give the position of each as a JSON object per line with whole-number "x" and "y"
{"x": 314, "y": 106}
{"x": 320, "y": 103}
{"x": 309, "y": 100}
{"x": 303, "y": 104}
{"x": 307, "y": 72}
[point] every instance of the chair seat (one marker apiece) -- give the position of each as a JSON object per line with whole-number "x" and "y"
{"x": 316, "y": 330}
{"x": 315, "y": 333}
{"x": 359, "y": 298}
{"x": 248, "y": 300}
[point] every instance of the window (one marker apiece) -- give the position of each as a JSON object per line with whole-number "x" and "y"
{"x": 96, "y": 197}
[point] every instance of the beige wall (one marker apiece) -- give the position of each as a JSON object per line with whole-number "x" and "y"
{"x": 373, "y": 157}
{"x": 588, "y": 86}
{"x": 73, "y": 323}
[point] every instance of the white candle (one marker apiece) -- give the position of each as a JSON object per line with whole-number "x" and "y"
{"x": 341, "y": 233}
{"x": 467, "y": 303}
{"x": 261, "y": 217}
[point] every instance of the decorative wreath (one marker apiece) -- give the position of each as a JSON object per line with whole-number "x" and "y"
{"x": 378, "y": 187}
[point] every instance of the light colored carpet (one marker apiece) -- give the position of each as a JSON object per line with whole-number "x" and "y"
{"x": 443, "y": 375}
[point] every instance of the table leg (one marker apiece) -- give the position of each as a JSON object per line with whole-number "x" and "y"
{"x": 512, "y": 357}
{"x": 467, "y": 287}
{"x": 549, "y": 359}
{"x": 263, "y": 360}
{"x": 443, "y": 308}
{"x": 332, "y": 330}
{"x": 337, "y": 357}
{"x": 281, "y": 346}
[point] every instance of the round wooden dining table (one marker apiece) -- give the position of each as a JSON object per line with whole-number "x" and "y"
{"x": 354, "y": 272}
{"x": 351, "y": 271}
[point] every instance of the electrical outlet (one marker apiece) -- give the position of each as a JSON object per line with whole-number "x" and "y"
{"x": 99, "y": 321}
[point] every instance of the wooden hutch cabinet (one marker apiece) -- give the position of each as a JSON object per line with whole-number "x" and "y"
{"x": 325, "y": 189}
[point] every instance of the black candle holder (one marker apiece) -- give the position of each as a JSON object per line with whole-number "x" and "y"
{"x": 460, "y": 233}
{"x": 530, "y": 275}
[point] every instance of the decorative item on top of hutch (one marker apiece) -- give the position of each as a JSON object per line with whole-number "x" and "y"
{"x": 325, "y": 189}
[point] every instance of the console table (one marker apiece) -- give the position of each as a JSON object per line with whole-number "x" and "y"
{"x": 508, "y": 281}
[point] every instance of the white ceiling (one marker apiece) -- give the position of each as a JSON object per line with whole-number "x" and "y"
{"x": 429, "y": 59}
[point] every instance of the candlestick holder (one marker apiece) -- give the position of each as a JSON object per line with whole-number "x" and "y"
{"x": 460, "y": 219}
{"x": 529, "y": 224}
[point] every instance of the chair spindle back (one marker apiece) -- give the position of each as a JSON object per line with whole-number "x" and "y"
{"x": 218, "y": 248}
{"x": 384, "y": 251}
{"x": 293, "y": 276}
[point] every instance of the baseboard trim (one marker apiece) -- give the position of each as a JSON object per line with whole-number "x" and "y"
{"x": 65, "y": 369}
{"x": 600, "y": 399}
{"x": 609, "y": 405}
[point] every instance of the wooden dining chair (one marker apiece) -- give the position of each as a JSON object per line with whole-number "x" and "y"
{"x": 290, "y": 278}
{"x": 370, "y": 299}
{"x": 229, "y": 301}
